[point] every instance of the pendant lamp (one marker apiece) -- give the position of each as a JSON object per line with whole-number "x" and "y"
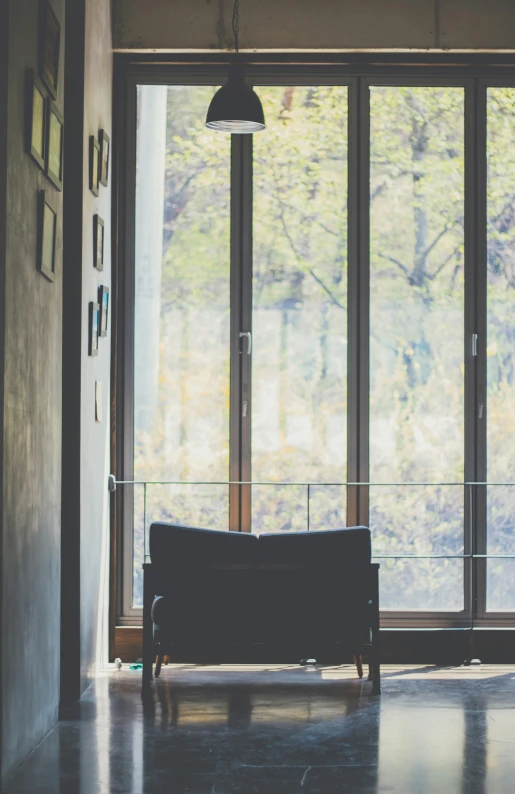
{"x": 235, "y": 107}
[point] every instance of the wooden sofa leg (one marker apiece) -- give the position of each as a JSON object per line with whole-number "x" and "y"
{"x": 159, "y": 662}
{"x": 370, "y": 671}
{"x": 358, "y": 661}
{"x": 376, "y": 679}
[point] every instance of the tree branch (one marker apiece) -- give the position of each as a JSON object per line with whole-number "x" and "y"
{"x": 432, "y": 276}
{"x": 305, "y": 217}
{"x": 394, "y": 261}
{"x": 509, "y": 205}
{"x": 312, "y": 273}
{"x": 334, "y": 299}
{"x": 437, "y": 239}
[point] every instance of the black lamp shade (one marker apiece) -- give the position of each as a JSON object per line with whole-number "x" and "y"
{"x": 235, "y": 108}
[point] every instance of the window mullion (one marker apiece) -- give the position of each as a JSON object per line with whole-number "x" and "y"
{"x": 241, "y": 321}
{"x": 245, "y": 408}
{"x": 235, "y": 383}
{"x": 364, "y": 301}
{"x": 353, "y": 313}
{"x": 480, "y": 412}
{"x": 358, "y": 302}
{"x": 475, "y": 347}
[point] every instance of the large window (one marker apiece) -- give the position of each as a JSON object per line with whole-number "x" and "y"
{"x": 318, "y": 328}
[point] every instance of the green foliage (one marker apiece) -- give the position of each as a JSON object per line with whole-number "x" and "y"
{"x": 417, "y": 266}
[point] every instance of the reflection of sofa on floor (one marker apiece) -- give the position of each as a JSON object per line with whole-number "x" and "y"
{"x": 214, "y": 596}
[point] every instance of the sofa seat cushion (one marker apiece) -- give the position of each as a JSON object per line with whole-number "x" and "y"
{"x": 205, "y": 609}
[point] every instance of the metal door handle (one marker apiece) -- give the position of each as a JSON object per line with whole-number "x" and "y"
{"x": 249, "y": 340}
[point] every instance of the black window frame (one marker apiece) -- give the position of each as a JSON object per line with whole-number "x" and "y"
{"x": 475, "y": 73}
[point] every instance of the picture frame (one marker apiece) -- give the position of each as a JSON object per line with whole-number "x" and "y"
{"x": 98, "y": 243}
{"x": 103, "y": 302}
{"x": 55, "y": 146}
{"x": 105, "y": 154}
{"x": 94, "y": 165}
{"x": 94, "y": 316}
{"x": 49, "y": 47}
{"x": 37, "y": 109}
{"x": 47, "y": 236}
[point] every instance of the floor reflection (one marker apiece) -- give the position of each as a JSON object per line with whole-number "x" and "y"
{"x": 226, "y": 730}
{"x": 421, "y": 748}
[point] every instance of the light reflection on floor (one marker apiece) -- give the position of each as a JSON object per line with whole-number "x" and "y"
{"x": 284, "y": 729}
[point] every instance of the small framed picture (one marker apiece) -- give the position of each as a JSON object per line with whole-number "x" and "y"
{"x": 37, "y": 119}
{"x": 47, "y": 236}
{"x": 94, "y": 317}
{"x": 49, "y": 47}
{"x": 105, "y": 151}
{"x": 103, "y": 301}
{"x": 55, "y": 138}
{"x": 98, "y": 242}
{"x": 94, "y": 165}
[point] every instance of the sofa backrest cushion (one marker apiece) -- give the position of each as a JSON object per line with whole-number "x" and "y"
{"x": 324, "y": 548}
{"x": 178, "y": 546}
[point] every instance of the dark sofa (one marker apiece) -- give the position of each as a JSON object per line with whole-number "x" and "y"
{"x": 216, "y": 596}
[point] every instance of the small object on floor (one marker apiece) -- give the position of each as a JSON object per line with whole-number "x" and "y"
{"x": 469, "y": 662}
{"x": 137, "y": 666}
{"x": 475, "y": 661}
{"x": 304, "y": 662}
{"x": 118, "y": 663}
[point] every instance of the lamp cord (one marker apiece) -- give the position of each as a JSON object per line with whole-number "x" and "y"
{"x": 236, "y": 24}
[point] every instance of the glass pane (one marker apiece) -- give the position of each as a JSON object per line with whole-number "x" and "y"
{"x": 425, "y": 585}
{"x": 299, "y": 377}
{"x": 501, "y": 346}
{"x": 416, "y": 339}
{"x": 181, "y": 358}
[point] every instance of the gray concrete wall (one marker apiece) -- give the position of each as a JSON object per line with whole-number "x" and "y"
{"x": 85, "y": 539}
{"x": 205, "y": 25}
{"x": 31, "y": 418}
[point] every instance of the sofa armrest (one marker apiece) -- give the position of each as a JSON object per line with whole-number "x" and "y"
{"x": 148, "y": 632}
{"x": 374, "y": 594}
{"x": 375, "y": 655}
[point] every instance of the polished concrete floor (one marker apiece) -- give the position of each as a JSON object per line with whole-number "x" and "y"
{"x": 218, "y": 730}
